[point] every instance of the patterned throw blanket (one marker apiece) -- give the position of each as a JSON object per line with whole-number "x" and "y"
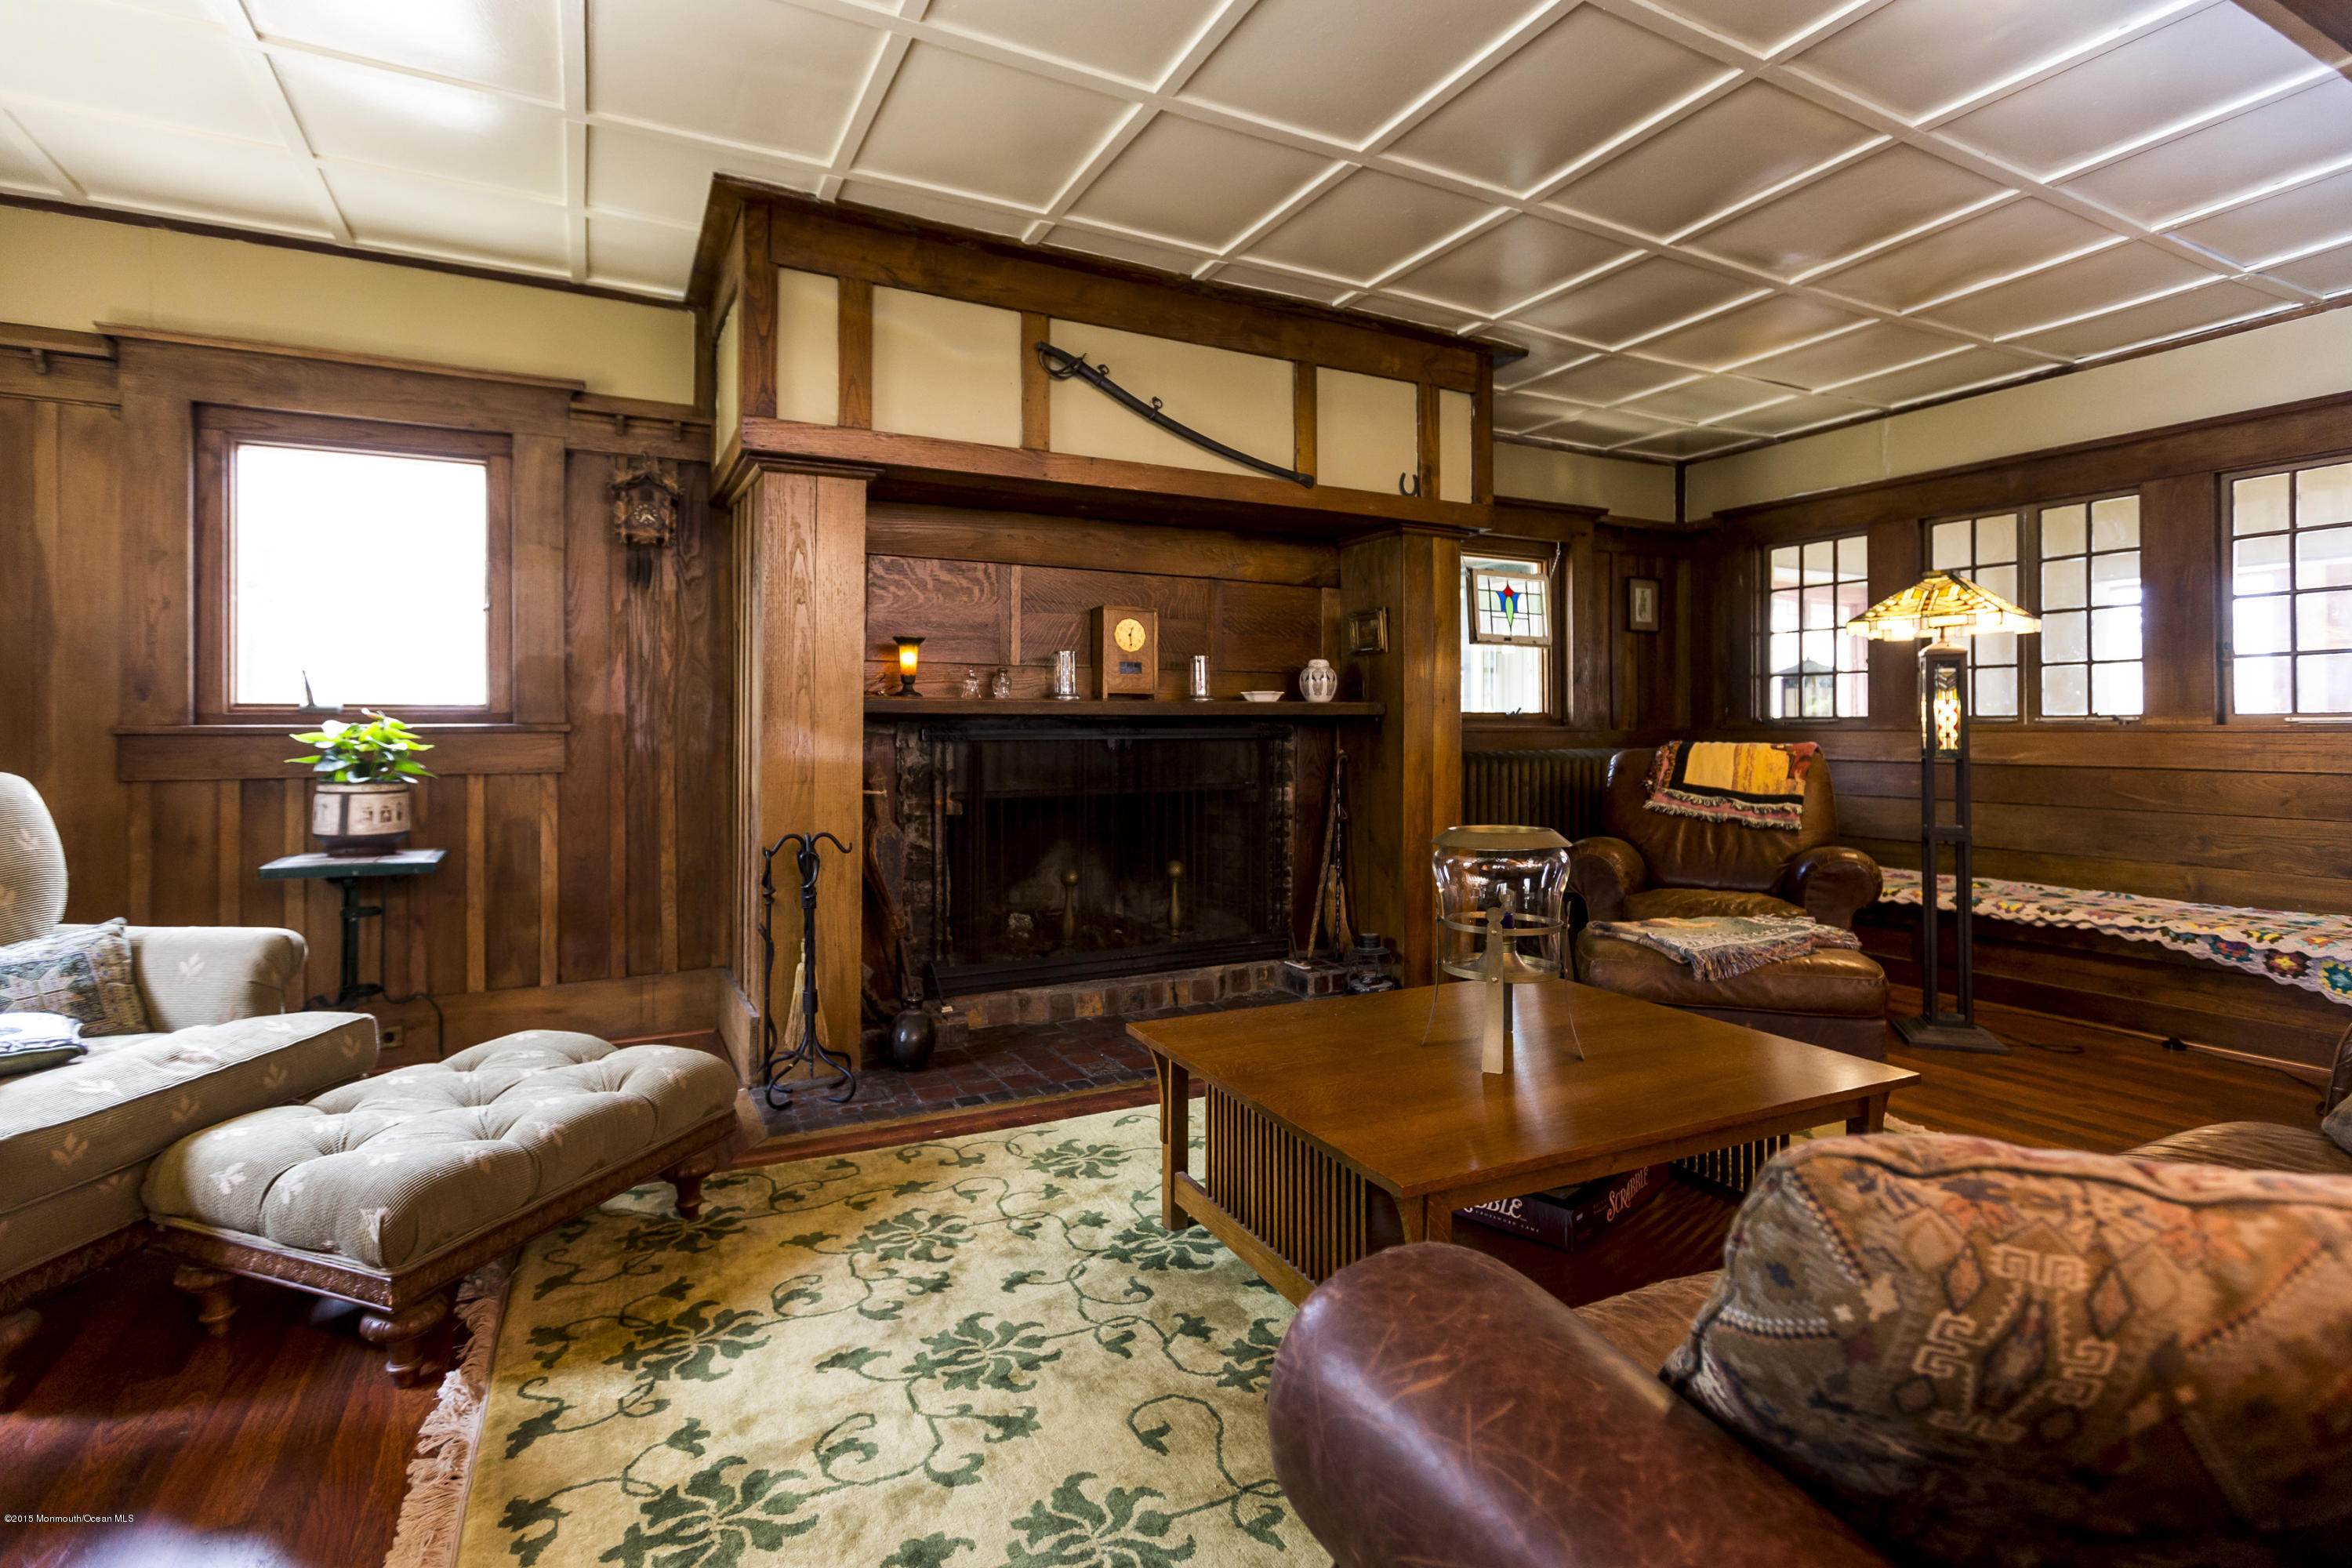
{"x": 1751, "y": 785}
{"x": 1719, "y": 946}
{"x": 2294, "y": 948}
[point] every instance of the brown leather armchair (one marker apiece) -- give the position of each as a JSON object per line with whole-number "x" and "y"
{"x": 1655, "y": 864}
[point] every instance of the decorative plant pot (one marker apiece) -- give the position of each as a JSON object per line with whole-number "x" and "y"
{"x": 353, "y": 819}
{"x": 1318, "y": 683}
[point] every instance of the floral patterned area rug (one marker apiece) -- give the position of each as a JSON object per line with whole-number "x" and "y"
{"x": 980, "y": 1352}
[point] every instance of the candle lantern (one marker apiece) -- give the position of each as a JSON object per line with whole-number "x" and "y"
{"x": 907, "y": 658}
{"x": 1499, "y": 893}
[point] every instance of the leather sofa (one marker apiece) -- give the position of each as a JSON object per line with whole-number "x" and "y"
{"x": 1430, "y": 1406}
{"x": 1652, "y": 864}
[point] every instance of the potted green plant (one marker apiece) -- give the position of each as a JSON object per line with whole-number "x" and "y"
{"x": 362, "y": 804}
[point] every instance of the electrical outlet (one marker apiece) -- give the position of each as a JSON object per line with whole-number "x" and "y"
{"x": 389, "y": 1036}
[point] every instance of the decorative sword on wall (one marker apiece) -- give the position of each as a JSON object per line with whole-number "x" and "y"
{"x": 1063, "y": 365}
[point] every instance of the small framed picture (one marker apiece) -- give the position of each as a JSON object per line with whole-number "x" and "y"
{"x": 1641, "y": 603}
{"x": 1368, "y": 631}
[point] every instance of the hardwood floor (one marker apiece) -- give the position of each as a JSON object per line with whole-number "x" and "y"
{"x": 283, "y": 1443}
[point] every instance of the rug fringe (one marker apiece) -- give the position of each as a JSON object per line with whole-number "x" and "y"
{"x": 433, "y": 1513}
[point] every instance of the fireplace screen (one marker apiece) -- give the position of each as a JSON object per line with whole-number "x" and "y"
{"x": 1086, "y": 855}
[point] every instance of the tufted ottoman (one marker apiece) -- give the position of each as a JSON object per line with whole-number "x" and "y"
{"x": 388, "y": 1191}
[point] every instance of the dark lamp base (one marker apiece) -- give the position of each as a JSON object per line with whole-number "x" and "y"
{"x": 1949, "y": 1035}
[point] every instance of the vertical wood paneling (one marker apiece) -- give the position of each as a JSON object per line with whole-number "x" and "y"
{"x": 588, "y": 791}
{"x": 2180, "y": 544}
{"x": 648, "y": 644}
{"x": 704, "y": 683}
{"x": 549, "y": 882}
{"x": 510, "y": 838}
{"x": 228, "y": 845}
{"x": 477, "y": 870}
{"x": 1036, "y": 387}
{"x": 1303, "y": 414}
{"x": 856, "y": 314}
{"x": 187, "y": 858}
{"x": 538, "y": 561}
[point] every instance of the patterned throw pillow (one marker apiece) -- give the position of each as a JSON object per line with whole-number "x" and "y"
{"x": 84, "y": 974}
{"x": 1977, "y": 1353}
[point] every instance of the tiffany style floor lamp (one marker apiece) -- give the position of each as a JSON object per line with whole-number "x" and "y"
{"x": 1950, "y": 610}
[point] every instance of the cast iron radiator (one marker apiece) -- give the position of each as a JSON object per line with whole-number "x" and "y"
{"x": 1560, "y": 789}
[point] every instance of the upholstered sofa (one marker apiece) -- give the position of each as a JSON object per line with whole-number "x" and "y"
{"x": 1922, "y": 1350}
{"x": 75, "y": 1140}
{"x": 1652, "y": 864}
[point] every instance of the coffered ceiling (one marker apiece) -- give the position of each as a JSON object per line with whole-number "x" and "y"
{"x": 1710, "y": 222}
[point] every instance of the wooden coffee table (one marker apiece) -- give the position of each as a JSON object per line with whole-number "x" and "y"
{"x": 1333, "y": 1129}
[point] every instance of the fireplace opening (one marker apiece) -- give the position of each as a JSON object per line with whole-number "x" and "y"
{"x": 1103, "y": 852}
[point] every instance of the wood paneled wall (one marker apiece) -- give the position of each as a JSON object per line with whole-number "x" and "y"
{"x": 1611, "y": 685}
{"x": 590, "y": 848}
{"x": 987, "y": 590}
{"x": 2180, "y": 804}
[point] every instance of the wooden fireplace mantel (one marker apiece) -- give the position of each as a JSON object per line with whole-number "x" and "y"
{"x": 982, "y": 708}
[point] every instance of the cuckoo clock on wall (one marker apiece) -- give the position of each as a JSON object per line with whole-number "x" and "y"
{"x": 645, "y": 510}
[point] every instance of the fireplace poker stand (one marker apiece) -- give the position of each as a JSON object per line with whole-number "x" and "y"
{"x": 809, "y": 1052}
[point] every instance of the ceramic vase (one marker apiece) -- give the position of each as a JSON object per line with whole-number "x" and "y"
{"x": 353, "y": 819}
{"x": 1318, "y": 683}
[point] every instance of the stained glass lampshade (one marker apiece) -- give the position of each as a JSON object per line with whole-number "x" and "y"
{"x": 1940, "y": 606}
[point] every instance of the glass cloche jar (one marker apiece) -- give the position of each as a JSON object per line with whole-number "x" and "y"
{"x": 1499, "y": 896}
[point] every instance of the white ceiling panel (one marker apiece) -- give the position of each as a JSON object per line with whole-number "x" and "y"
{"x": 1634, "y": 301}
{"x": 2287, "y": 224}
{"x": 1367, "y": 224}
{"x": 1519, "y": 412}
{"x": 512, "y": 44}
{"x": 2309, "y": 130}
{"x": 125, "y": 164}
{"x": 1513, "y": 261}
{"x": 2015, "y": 237}
{"x": 410, "y": 211}
{"x": 986, "y": 216}
{"x": 1684, "y": 445}
{"x": 1917, "y": 56}
{"x": 1707, "y": 397}
{"x": 1607, "y": 427}
{"x": 1771, "y": 325}
{"x": 957, "y": 124}
{"x": 1872, "y": 349}
{"x": 664, "y": 177}
{"x": 2324, "y": 272}
{"x": 1762, "y": 26}
{"x": 1344, "y": 68}
{"x": 1125, "y": 247}
{"x": 1541, "y": 356}
{"x": 1274, "y": 281}
{"x": 1843, "y": 197}
{"x": 2173, "y": 316}
{"x": 751, "y": 72}
{"x": 1135, "y": 43}
{"x": 1803, "y": 412}
{"x": 630, "y": 253}
{"x": 1589, "y": 77}
{"x": 2180, "y": 73}
{"x": 1610, "y": 378}
{"x": 1199, "y": 183}
{"x": 1734, "y": 148}
{"x": 98, "y": 57}
{"x": 367, "y": 115}
{"x": 2127, "y": 272}
{"x": 1942, "y": 377}
{"x": 1865, "y": 204}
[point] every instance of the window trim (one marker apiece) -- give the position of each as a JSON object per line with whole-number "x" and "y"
{"x": 2032, "y": 658}
{"x": 1550, "y": 560}
{"x": 219, "y": 431}
{"x": 1759, "y": 641}
{"x": 2225, "y": 575}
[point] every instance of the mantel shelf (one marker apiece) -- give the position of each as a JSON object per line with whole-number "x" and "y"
{"x": 1285, "y": 711}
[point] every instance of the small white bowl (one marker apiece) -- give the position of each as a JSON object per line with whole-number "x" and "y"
{"x": 1261, "y": 696}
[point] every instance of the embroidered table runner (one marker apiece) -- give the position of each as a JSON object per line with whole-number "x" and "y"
{"x": 1718, "y": 947}
{"x": 2313, "y": 951}
{"x": 1753, "y": 784}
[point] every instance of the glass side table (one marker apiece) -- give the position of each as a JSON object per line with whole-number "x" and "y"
{"x": 347, "y": 873}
